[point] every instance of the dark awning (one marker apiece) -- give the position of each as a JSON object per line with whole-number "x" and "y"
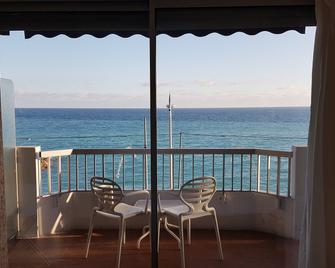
{"x": 174, "y": 17}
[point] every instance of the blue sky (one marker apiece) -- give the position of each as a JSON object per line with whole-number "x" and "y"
{"x": 264, "y": 70}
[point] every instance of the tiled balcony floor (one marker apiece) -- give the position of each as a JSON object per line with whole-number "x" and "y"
{"x": 240, "y": 249}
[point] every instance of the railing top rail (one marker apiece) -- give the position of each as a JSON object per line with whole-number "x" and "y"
{"x": 166, "y": 151}
{"x": 111, "y": 151}
{"x": 195, "y": 151}
{"x": 273, "y": 153}
{"x": 207, "y": 151}
{"x": 55, "y": 153}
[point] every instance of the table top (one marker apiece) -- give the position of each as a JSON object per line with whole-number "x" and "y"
{"x": 165, "y": 203}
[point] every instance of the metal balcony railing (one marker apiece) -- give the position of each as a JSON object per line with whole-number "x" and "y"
{"x": 245, "y": 170}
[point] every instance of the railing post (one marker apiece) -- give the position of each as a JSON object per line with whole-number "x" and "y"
{"x": 29, "y": 187}
{"x": 232, "y": 172}
{"x": 163, "y": 172}
{"x": 49, "y": 175}
{"x": 278, "y": 176}
{"x": 298, "y": 176}
{"x": 268, "y": 172}
{"x": 171, "y": 171}
{"x": 250, "y": 171}
{"x": 223, "y": 172}
{"x": 59, "y": 172}
{"x": 258, "y": 173}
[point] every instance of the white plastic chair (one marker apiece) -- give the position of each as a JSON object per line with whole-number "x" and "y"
{"x": 195, "y": 196}
{"x": 110, "y": 204}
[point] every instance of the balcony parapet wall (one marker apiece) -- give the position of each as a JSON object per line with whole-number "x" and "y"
{"x": 235, "y": 211}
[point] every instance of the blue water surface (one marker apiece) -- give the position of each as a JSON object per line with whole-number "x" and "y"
{"x": 271, "y": 128}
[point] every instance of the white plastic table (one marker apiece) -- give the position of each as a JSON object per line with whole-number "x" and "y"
{"x": 168, "y": 203}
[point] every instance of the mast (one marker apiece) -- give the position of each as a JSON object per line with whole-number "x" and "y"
{"x": 170, "y": 106}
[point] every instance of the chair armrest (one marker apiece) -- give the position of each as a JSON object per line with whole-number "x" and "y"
{"x": 141, "y": 192}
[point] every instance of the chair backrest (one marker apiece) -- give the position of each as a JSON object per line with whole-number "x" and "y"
{"x": 198, "y": 192}
{"x": 108, "y": 192}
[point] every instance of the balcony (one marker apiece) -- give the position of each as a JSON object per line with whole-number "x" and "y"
{"x": 258, "y": 203}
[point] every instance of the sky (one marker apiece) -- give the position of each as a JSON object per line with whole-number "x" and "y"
{"x": 264, "y": 70}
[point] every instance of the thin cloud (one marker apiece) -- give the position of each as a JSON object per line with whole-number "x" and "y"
{"x": 209, "y": 94}
{"x": 79, "y": 99}
{"x": 180, "y": 83}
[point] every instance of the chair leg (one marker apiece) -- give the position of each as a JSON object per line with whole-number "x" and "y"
{"x": 121, "y": 237}
{"x": 144, "y": 229}
{"x": 141, "y": 238}
{"x": 166, "y": 227}
{"x": 189, "y": 231}
{"x": 159, "y": 233}
{"x": 217, "y": 232}
{"x": 181, "y": 238}
{"x": 124, "y": 233}
{"x": 89, "y": 235}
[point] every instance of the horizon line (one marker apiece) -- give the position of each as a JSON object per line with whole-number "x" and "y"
{"x": 148, "y": 108}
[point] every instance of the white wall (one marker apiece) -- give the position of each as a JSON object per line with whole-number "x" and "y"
{"x": 27, "y": 172}
{"x": 8, "y": 143}
{"x": 252, "y": 211}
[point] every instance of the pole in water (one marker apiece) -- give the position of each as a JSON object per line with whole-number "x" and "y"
{"x": 170, "y": 106}
{"x": 179, "y": 166}
{"x": 145, "y": 158}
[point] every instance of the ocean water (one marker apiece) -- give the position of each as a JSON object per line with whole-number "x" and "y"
{"x": 270, "y": 128}
{"x": 266, "y": 128}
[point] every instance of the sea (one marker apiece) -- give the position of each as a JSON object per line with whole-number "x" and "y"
{"x": 265, "y": 128}
{"x": 268, "y": 128}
